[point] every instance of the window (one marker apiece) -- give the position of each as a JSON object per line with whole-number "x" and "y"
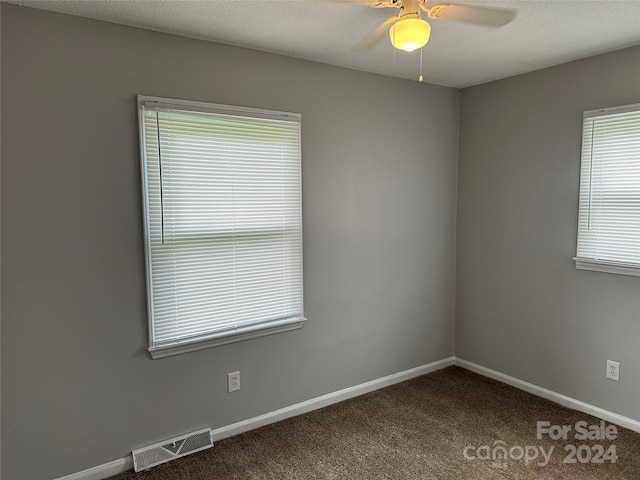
{"x": 609, "y": 216}
{"x": 223, "y": 227}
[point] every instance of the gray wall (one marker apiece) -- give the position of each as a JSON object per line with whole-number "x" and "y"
{"x": 379, "y": 180}
{"x": 521, "y": 306}
{"x": 0, "y": 250}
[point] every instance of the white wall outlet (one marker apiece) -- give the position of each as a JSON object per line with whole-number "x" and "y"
{"x": 233, "y": 381}
{"x": 613, "y": 370}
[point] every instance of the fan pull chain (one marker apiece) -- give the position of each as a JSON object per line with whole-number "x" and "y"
{"x": 420, "y": 78}
{"x": 394, "y": 41}
{"x": 394, "y": 32}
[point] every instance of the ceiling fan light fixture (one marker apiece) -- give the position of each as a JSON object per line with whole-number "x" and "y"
{"x": 409, "y": 34}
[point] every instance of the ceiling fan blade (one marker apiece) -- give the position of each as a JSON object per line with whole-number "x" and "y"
{"x": 491, "y": 17}
{"x": 374, "y": 37}
{"x": 373, "y": 3}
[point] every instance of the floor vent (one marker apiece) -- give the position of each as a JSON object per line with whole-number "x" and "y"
{"x": 162, "y": 452}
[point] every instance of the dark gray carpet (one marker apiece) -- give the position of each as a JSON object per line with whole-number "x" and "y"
{"x": 413, "y": 430}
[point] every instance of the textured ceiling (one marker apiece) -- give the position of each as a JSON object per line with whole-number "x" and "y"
{"x": 543, "y": 33}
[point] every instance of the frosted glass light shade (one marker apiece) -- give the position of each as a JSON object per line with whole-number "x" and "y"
{"x": 409, "y": 34}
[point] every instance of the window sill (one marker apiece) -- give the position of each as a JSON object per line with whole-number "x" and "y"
{"x": 622, "y": 269}
{"x": 223, "y": 338}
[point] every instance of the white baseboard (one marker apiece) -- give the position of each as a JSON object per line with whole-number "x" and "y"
{"x": 122, "y": 465}
{"x": 328, "y": 399}
{"x": 105, "y": 470}
{"x": 563, "y": 400}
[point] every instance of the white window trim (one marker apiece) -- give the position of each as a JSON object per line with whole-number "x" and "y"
{"x": 219, "y": 338}
{"x": 224, "y": 338}
{"x": 602, "y": 265}
{"x": 587, "y": 264}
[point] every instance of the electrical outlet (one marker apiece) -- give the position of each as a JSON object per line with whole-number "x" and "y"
{"x": 233, "y": 381}
{"x": 613, "y": 370}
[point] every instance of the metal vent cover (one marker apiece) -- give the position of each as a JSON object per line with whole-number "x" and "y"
{"x": 167, "y": 450}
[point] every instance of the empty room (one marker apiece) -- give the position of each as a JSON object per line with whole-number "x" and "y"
{"x": 357, "y": 239}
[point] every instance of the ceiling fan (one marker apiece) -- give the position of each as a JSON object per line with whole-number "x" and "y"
{"x": 409, "y": 32}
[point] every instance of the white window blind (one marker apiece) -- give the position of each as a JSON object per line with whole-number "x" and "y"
{"x": 609, "y": 216}
{"x": 222, "y": 195}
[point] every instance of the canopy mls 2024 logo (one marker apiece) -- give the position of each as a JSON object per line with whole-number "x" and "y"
{"x": 500, "y": 454}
